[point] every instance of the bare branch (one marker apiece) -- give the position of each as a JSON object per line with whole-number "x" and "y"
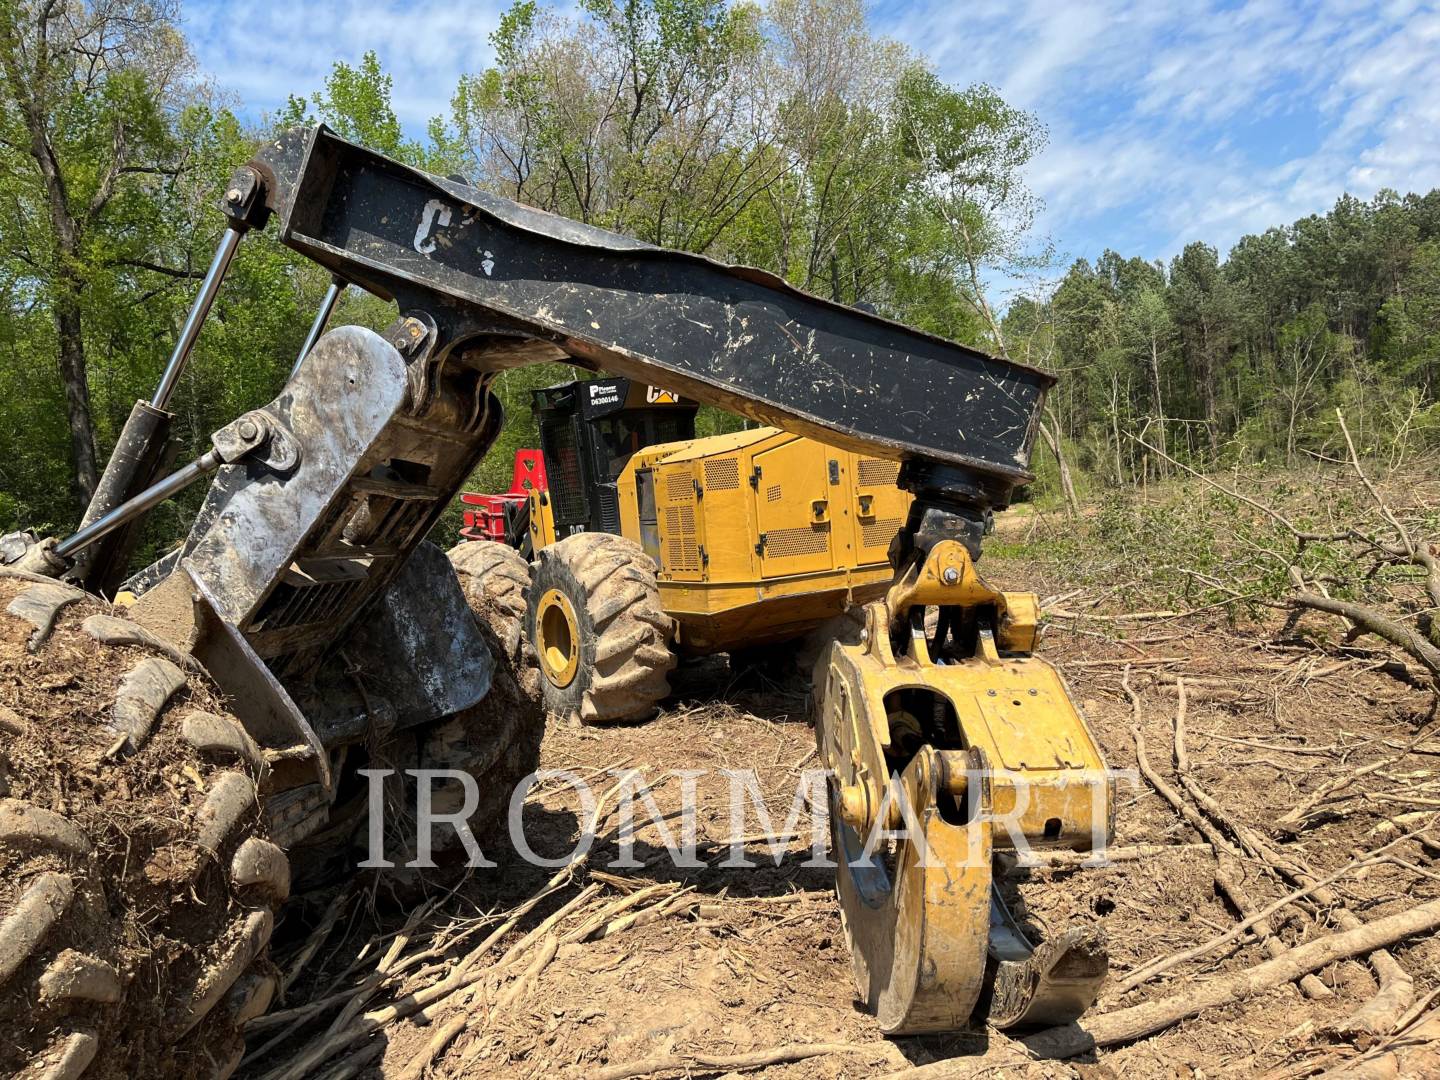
{"x": 1370, "y": 487}
{"x": 105, "y": 191}
{"x": 168, "y": 271}
{"x": 1417, "y": 554}
{"x": 1373, "y": 622}
{"x": 1278, "y": 518}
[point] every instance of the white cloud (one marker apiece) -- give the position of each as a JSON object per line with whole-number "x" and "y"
{"x": 1171, "y": 122}
{"x": 279, "y": 48}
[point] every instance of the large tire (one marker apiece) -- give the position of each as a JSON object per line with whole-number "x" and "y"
{"x": 846, "y": 628}
{"x": 795, "y": 660}
{"x": 498, "y": 743}
{"x": 494, "y": 578}
{"x": 600, "y": 634}
{"x": 137, "y": 894}
{"x": 498, "y": 740}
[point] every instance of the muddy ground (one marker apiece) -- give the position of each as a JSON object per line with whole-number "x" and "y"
{"x": 755, "y": 959}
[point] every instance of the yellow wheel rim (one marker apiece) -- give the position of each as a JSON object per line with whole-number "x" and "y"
{"x": 559, "y": 634}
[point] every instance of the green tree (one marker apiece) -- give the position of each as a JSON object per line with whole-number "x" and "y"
{"x": 973, "y": 148}
{"x": 1306, "y": 347}
{"x": 1411, "y": 319}
{"x": 84, "y": 130}
{"x": 1200, "y": 306}
{"x": 635, "y": 116}
{"x": 832, "y": 220}
{"x": 357, "y": 103}
{"x": 1150, "y": 334}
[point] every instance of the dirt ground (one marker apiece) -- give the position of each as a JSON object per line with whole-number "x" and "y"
{"x": 734, "y": 961}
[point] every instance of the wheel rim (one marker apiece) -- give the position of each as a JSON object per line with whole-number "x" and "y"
{"x": 559, "y": 634}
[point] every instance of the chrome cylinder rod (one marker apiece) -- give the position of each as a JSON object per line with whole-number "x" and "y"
{"x": 129, "y": 510}
{"x": 322, "y": 317}
{"x": 196, "y": 319}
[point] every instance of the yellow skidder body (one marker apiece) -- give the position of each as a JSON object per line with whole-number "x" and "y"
{"x": 649, "y": 542}
{"x": 759, "y": 536}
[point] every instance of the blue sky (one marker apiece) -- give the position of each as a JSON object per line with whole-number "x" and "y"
{"x": 1169, "y": 121}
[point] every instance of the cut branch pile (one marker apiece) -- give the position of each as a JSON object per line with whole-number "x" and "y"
{"x": 1403, "y": 617}
{"x": 1237, "y": 846}
{"x": 431, "y": 980}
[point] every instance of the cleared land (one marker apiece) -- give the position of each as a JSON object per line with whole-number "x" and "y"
{"x": 712, "y": 970}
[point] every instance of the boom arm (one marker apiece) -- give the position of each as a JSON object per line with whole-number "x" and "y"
{"x": 738, "y": 338}
{"x": 323, "y": 495}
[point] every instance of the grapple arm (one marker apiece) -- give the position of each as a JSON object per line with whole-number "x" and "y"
{"x": 477, "y": 264}
{"x": 945, "y": 745}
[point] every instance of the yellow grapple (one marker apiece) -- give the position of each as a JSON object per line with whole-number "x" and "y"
{"x": 947, "y": 740}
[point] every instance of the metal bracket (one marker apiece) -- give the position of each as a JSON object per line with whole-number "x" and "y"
{"x": 258, "y": 431}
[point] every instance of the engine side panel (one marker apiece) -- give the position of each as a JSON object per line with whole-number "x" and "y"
{"x": 760, "y": 535}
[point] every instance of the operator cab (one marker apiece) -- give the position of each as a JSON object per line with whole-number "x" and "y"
{"x": 588, "y": 433}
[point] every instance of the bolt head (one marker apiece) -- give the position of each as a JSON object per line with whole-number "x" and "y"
{"x": 951, "y": 575}
{"x": 233, "y": 195}
{"x": 248, "y": 429}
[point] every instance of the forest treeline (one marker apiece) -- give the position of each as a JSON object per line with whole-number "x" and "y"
{"x": 786, "y": 135}
{"x": 1245, "y": 359}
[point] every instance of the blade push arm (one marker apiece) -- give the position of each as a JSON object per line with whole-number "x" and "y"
{"x": 738, "y": 338}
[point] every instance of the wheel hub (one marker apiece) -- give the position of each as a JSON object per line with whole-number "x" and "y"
{"x": 558, "y": 634}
